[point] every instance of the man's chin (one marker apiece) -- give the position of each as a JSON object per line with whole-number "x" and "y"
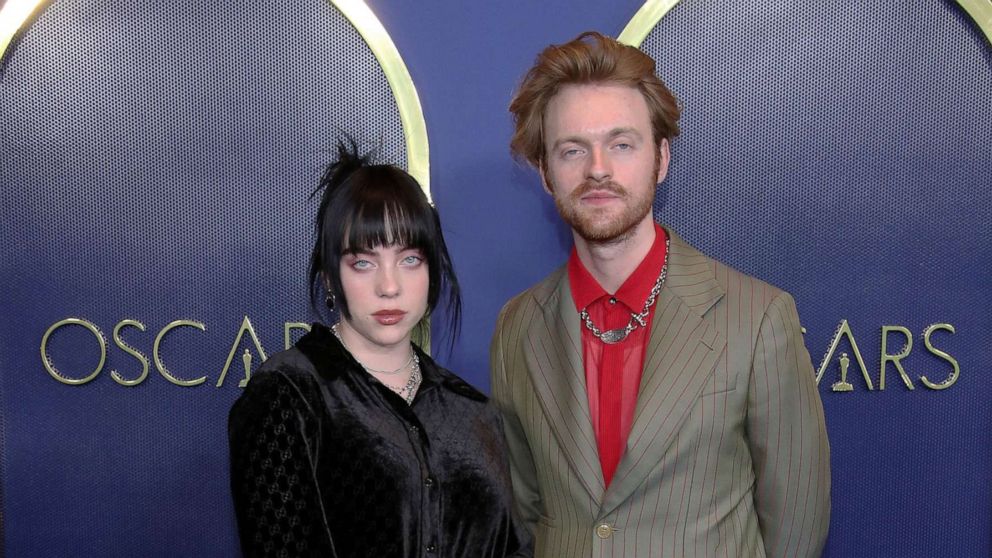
{"x": 605, "y": 230}
{"x": 605, "y": 234}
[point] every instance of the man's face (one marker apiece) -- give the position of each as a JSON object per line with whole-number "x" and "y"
{"x": 601, "y": 163}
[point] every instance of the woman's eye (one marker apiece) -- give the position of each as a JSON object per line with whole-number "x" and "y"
{"x": 362, "y": 264}
{"x": 411, "y": 260}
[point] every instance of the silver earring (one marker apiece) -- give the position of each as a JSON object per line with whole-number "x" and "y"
{"x": 329, "y": 301}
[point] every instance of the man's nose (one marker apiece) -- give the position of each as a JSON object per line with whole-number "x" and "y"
{"x": 599, "y": 165}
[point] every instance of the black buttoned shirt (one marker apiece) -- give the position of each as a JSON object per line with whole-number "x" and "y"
{"x": 327, "y": 461}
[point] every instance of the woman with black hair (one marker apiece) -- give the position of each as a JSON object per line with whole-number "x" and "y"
{"x": 355, "y": 443}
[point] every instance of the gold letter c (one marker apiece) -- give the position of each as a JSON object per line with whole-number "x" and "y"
{"x": 158, "y": 360}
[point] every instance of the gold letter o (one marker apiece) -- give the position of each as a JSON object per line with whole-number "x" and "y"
{"x": 51, "y": 367}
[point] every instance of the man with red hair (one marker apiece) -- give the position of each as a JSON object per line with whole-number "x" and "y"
{"x": 655, "y": 401}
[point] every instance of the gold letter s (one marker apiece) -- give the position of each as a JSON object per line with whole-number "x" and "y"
{"x": 131, "y": 351}
{"x": 954, "y": 363}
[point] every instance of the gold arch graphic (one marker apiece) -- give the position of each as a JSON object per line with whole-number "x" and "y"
{"x": 16, "y": 12}
{"x": 407, "y": 100}
{"x": 652, "y": 11}
{"x": 981, "y": 12}
{"x": 644, "y": 20}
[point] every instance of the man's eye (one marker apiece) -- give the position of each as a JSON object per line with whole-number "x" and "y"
{"x": 624, "y": 146}
{"x": 571, "y": 152}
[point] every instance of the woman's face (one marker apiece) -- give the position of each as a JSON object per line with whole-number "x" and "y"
{"x": 386, "y": 289}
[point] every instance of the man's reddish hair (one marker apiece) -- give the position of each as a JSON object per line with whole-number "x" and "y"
{"x": 590, "y": 58}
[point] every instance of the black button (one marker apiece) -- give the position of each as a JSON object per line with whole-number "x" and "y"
{"x": 431, "y": 548}
{"x": 429, "y": 482}
{"x": 413, "y": 428}
{"x": 613, "y": 300}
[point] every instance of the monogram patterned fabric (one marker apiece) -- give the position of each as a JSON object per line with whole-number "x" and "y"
{"x": 327, "y": 461}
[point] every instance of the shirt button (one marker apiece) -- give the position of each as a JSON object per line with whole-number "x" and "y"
{"x": 613, "y": 300}
{"x": 431, "y": 548}
{"x": 429, "y": 482}
{"x": 604, "y": 531}
{"x": 413, "y": 428}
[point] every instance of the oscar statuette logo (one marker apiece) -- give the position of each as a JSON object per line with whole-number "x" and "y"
{"x": 890, "y": 336}
{"x": 80, "y": 377}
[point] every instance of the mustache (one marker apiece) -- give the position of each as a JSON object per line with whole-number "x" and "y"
{"x": 592, "y": 186}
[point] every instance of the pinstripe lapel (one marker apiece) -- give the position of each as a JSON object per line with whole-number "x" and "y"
{"x": 680, "y": 358}
{"x": 554, "y": 359}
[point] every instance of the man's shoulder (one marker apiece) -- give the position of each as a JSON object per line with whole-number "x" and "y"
{"x": 737, "y": 283}
{"x": 535, "y": 298}
{"x": 698, "y": 269}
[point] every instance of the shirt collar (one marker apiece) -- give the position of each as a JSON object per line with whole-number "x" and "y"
{"x": 330, "y": 358}
{"x": 634, "y": 290}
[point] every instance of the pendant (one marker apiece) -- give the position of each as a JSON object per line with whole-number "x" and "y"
{"x": 613, "y": 336}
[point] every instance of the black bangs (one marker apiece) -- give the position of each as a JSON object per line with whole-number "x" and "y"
{"x": 385, "y": 216}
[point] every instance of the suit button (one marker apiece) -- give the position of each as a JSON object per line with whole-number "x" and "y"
{"x": 604, "y": 531}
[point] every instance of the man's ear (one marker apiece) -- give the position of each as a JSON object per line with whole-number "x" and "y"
{"x": 664, "y": 156}
{"x": 543, "y": 171}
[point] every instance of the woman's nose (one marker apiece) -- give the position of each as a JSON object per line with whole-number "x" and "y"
{"x": 387, "y": 283}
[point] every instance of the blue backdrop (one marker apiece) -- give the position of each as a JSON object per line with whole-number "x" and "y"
{"x": 156, "y": 163}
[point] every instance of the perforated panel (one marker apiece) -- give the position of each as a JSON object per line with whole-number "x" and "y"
{"x": 840, "y": 150}
{"x": 157, "y": 163}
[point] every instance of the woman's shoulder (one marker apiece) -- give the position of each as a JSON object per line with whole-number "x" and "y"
{"x": 286, "y": 377}
{"x": 315, "y": 352}
{"x": 281, "y": 399}
{"x": 291, "y": 363}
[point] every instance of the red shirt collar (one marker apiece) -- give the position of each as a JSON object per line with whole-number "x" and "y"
{"x": 633, "y": 292}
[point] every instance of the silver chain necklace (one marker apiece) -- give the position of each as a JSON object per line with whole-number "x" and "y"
{"x": 636, "y": 320}
{"x": 407, "y": 391}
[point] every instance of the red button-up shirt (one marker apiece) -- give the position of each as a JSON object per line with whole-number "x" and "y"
{"x": 613, "y": 372}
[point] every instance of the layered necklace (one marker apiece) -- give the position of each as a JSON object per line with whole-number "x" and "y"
{"x": 407, "y": 391}
{"x": 612, "y": 336}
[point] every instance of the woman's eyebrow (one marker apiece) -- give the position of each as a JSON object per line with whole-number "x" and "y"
{"x": 359, "y": 252}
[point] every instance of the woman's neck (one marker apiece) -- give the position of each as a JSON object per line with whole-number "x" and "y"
{"x": 373, "y": 356}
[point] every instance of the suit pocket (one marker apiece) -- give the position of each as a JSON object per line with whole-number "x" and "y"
{"x": 722, "y": 378}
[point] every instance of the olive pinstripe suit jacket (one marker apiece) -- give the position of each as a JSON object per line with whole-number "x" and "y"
{"x": 728, "y": 453}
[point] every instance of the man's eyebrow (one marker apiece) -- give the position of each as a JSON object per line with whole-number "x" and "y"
{"x": 624, "y": 130}
{"x": 613, "y": 133}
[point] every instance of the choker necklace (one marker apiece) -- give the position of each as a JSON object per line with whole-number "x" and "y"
{"x": 407, "y": 391}
{"x": 617, "y": 335}
{"x": 413, "y": 356}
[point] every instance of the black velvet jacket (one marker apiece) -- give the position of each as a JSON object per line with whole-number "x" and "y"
{"x": 327, "y": 461}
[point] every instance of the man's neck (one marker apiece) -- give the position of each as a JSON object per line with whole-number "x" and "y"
{"x": 612, "y": 263}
